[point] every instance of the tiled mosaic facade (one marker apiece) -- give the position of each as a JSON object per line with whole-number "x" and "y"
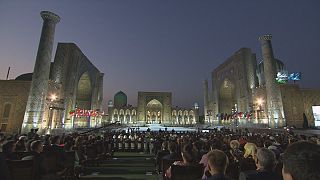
{"x": 55, "y": 89}
{"x": 236, "y": 88}
{"x": 153, "y": 108}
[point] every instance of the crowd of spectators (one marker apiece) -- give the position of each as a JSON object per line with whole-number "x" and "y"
{"x": 222, "y": 154}
{"x": 240, "y": 154}
{"x": 54, "y": 156}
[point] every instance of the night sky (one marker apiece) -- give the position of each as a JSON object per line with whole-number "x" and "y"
{"x": 164, "y": 45}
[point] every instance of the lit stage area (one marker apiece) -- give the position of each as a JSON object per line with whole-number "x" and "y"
{"x": 158, "y": 127}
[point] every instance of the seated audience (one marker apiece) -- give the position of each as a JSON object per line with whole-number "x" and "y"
{"x": 197, "y": 147}
{"x": 301, "y": 161}
{"x": 217, "y": 165}
{"x": 173, "y": 155}
{"x": 164, "y": 151}
{"x": 231, "y": 152}
{"x": 265, "y": 162}
{"x": 40, "y": 165}
{"x": 8, "y": 150}
{"x": 234, "y": 151}
{"x": 21, "y": 144}
{"x": 235, "y": 155}
{"x": 204, "y": 162}
{"x": 4, "y": 171}
{"x": 248, "y": 162}
{"x": 188, "y": 159}
{"x": 57, "y": 157}
{"x": 79, "y": 149}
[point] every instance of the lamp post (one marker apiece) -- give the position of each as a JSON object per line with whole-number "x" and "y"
{"x": 55, "y": 118}
{"x": 53, "y": 98}
{"x": 209, "y": 112}
{"x": 74, "y": 116}
{"x": 258, "y": 108}
{"x": 196, "y": 115}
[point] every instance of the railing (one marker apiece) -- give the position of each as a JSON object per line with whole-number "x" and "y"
{"x": 102, "y": 127}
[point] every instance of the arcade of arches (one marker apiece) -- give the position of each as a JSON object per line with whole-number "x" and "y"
{"x": 153, "y": 108}
{"x": 239, "y": 94}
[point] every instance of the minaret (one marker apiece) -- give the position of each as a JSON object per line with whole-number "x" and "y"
{"x": 274, "y": 100}
{"x": 206, "y": 100}
{"x": 39, "y": 85}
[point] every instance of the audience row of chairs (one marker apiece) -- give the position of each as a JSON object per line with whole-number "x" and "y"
{"x": 65, "y": 164}
{"x": 26, "y": 169}
{"x": 132, "y": 146}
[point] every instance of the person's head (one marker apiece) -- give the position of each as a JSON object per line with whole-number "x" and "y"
{"x": 197, "y": 145}
{"x": 68, "y": 145}
{"x": 301, "y": 161}
{"x": 36, "y": 146}
{"x": 250, "y": 149}
{"x": 9, "y": 147}
{"x": 265, "y": 159}
{"x": 187, "y": 154}
{"x": 217, "y": 162}
{"x": 216, "y": 144}
{"x": 172, "y": 146}
{"x": 78, "y": 141}
{"x": 165, "y": 145}
{"x": 234, "y": 144}
{"x": 22, "y": 139}
{"x": 28, "y": 145}
{"x": 55, "y": 140}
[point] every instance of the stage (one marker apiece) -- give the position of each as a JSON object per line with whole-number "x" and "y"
{"x": 158, "y": 127}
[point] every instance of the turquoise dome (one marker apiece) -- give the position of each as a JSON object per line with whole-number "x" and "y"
{"x": 120, "y": 99}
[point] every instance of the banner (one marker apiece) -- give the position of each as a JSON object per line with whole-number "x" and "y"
{"x": 84, "y": 112}
{"x": 316, "y": 115}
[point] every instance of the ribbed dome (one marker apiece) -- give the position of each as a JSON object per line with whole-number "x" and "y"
{"x": 24, "y": 77}
{"x": 120, "y": 99}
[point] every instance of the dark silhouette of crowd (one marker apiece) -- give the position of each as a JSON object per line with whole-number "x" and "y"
{"x": 50, "y": 156}
{"x": 215, "y": 155}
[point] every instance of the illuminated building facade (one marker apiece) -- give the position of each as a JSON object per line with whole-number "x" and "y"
{"x": 153, "y": 108}
{"x": 66, "y": 93}
{"x": 244, "y": 91}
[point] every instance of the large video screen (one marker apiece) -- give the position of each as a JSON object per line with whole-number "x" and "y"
{"x": 316, "y": 115}
{"x": 296, "y": 76}
{"x": 282, "y": 77}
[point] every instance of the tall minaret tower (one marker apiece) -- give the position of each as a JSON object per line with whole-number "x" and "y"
{"x": 206, "y": 100}
{"x": 274, "y": 100}
{"x": 39, "y": 86}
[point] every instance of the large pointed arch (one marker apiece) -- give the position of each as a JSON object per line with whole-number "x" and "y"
{"x": 84, "y": 98}
{"x": 154, "y": 107}
{"x": 84, "y": 91}
{"x": 227, "y": 99}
